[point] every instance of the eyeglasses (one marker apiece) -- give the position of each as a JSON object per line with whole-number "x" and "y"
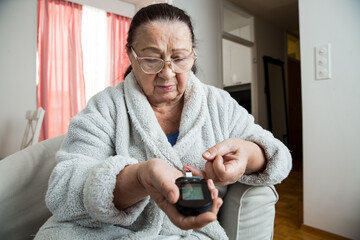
{"x": 154, "y": 65}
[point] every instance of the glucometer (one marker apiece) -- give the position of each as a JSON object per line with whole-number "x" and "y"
{"x": 195, "y": 196}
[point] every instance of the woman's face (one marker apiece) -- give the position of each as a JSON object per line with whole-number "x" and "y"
{"x": 165, "y": 40}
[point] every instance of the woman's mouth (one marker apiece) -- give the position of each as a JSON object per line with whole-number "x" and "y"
{"x": 167, "y": 88}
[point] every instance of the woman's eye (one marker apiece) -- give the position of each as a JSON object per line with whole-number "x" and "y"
{"x": 180, "y": 56}
{"x": 178, "y": 60}
{"x": 151, "y": 60}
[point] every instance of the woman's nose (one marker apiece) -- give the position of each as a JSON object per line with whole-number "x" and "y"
{"x": 167, "y": 70}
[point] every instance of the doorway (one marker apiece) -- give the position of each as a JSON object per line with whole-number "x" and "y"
{"x": 294, "y": 99}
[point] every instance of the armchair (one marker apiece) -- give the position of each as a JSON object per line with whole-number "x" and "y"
{"x": 248, "y": 211}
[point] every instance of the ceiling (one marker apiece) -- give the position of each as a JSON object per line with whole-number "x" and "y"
{"x": 282, "y": 13}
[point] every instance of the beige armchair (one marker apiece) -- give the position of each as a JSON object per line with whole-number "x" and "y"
{"x": 247, "y": 213}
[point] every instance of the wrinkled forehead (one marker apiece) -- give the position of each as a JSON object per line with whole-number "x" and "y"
{"x": 163, "y": 32}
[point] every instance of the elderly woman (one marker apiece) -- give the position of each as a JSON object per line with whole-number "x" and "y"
{"x": 116, "y": 170}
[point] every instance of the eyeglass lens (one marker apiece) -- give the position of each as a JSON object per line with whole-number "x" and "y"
{"x": 155, "y": 65}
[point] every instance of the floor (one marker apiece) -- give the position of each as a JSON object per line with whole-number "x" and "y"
{"x": 289, "y": 211}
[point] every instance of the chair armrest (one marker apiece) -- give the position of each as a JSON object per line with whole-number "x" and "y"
{"x": 24, "y": 178}
{"x": 248, "y": 212}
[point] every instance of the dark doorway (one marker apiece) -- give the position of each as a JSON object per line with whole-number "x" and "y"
{"x": 275, "y": 89}
{"x": 242, "y": 94}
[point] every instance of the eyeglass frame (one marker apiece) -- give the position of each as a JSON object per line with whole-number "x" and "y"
{"x": 193, "y": 55}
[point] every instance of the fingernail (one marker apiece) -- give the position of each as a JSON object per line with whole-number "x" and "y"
{"x": 207, "y": 154}
{"x": 211, "y": 183}
{"x": 213, "y": 195}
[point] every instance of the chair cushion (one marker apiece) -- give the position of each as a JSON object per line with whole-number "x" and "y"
{"x": 248, "y": 212}
{"x": 24, "y": 179}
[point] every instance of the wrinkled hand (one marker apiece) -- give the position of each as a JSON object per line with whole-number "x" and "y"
{"x": 228, "y": 160}
{"x": 158, "y": 179}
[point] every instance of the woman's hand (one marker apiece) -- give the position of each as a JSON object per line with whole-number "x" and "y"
{"x": 228, "y": 160}
{"x": 158, "y": 180}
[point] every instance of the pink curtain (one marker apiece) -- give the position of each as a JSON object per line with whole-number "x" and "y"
{"x": 117, "y": 28}
{"x": 61, "y": 88}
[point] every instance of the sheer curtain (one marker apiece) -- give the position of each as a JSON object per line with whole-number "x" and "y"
{"x": 94, "y": 41}
{"x": 81, "y": 51}
{"x": 61, "y": 88}
{"x": 105, "y": 59}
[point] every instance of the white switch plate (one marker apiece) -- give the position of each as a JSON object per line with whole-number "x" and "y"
{"x": 323, "y": 61}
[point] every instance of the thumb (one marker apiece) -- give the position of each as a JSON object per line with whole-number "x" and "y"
{"x": 170, "y": 191}
{"x": 167, "y": 188}
{"x": 195, "y": 171}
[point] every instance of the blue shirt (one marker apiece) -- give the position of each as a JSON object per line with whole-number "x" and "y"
{"x": 172, "y": 138}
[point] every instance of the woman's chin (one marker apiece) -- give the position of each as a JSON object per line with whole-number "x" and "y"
{"x": 166, "y": 98}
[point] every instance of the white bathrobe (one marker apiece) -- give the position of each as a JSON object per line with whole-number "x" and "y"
{"x": 117, "y": 128}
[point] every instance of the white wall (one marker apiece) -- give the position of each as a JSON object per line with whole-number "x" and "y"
{"x": 17, "y": 70}
{"x": 331, "y": 117}
{"x": 205, "y": 16}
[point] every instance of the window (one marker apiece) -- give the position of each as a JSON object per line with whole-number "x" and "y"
{"x": 81, "y": 50}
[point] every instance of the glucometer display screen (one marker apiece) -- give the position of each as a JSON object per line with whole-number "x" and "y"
{"x": 195, "y": 196}
{"x": 192, "y": 192}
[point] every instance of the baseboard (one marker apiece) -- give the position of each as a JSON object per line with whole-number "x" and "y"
{"x": 316, "y": 231}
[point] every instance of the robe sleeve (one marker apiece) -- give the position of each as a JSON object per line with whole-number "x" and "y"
{"x": 82, "y": 183}
{"x": 241, "y": 125}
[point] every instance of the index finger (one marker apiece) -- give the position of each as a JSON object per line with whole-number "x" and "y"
{"x": 222, "y": 148}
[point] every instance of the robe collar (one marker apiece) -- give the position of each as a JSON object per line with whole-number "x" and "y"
{"x": 145, "y": 123}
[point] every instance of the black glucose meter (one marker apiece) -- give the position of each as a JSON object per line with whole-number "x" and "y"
{"x": 195, "y": 196}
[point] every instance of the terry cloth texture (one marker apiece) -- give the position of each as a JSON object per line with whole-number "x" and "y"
{"x": 117, "y": 128}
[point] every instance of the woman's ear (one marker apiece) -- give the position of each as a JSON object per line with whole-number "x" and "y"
{"x": 129, "y": 54}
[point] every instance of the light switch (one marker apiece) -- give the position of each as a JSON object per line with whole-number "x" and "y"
{"x": 322, "y": 61}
